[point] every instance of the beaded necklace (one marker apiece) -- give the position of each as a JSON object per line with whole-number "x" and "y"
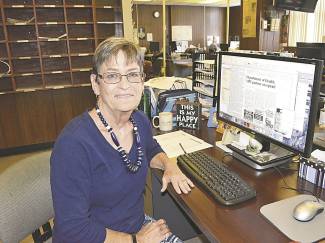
{"x": 131, "y": 166}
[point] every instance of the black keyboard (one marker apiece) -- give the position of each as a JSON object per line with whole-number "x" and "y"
{"x": 216, "y": 178}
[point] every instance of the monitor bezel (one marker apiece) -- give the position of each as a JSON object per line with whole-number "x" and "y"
{"x": 303, "y": 47}
{"x": 314, "y": 98}
{"x": 154, "y": 44}
{"x": 310, "y": 44}
{"x": 308, "y": 7}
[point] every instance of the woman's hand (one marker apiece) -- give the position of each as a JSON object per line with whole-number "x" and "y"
{"x": 153, "y": 232}
{"x": 174, "y": 175}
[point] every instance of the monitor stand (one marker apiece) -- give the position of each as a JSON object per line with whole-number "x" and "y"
{"x": 273, "y": 157}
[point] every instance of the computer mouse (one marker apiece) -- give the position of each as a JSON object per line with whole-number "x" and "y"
{"x": 307, "y": 210}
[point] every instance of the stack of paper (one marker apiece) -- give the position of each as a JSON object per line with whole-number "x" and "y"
{"x": 173, "y": 142}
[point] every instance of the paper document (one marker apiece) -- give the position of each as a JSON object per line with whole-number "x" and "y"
{"x": 166, "y": 83}
{"x": 170, "y": 143}
{"x": 318, "y": 154}
{"x": 223, "y": 147}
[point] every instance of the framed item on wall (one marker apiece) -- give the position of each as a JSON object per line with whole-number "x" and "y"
{"x": 141, "y": 33}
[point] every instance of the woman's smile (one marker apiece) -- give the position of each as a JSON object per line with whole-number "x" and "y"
{"x": 124, "y": 96}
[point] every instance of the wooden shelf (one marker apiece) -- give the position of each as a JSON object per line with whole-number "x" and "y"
{"x": 50, "y": 43}
{"x": 81, "y": 46}
{"x": 5, "y": 84}
{"x": 15, "y": 6}
{"x": 78, "y": 6}
{"x": 3, "y": 50}
{"x": 58, "y": 79}
{"x": 49, "y": 46}
{"x": 49, "y": 87}
{"x": 204, "y": 80}
{"x": 79, "y": 15}
{"x": 79, "y": 2}
{"x": 29, "y": 82}
{"x": 49, "y": 2}
{"x": 81, "y": 77}
{"x": 24, "y": 57}
{"x": 48, "y": 6}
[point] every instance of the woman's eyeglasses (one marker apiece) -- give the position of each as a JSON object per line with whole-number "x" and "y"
{"x": 114, "y": 78}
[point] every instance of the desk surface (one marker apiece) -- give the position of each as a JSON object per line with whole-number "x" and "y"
{"x": 242, "y": 222}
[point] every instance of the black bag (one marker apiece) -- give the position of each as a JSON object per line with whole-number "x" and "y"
{"x": 167, "y": 100}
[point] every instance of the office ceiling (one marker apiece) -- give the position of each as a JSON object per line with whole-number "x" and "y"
{"x": 210, "y": 3}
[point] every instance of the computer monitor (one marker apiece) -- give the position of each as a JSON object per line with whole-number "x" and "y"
{"x": 296, "y": 5}
{"x": 224, "y": 46}
{"x": 311, "y": 50}
{"x": 274, "y": 98}
{"x": 172, "y": 46}
{"x": 154, "y": 46}
{"x": 181, "y": 46}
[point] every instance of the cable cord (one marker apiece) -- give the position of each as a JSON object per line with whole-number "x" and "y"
{"x": 291, "y": 188}
{"x": 287, "y": 167}
{"x": 8, "y": 66}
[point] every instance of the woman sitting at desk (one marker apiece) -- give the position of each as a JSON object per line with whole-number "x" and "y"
{"x": 100, "y": 160}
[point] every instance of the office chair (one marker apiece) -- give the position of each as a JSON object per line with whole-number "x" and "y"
{"x": 26, "y": 200}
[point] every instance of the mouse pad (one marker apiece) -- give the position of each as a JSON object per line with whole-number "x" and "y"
{"x": 280, "y": 215}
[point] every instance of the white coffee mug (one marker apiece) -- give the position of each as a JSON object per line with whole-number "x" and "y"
{"x": 165, "y": 121}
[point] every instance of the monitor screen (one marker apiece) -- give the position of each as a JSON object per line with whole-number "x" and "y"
{"x": 297, "y": 5}
{"x": 273, "y": 97}
{"x": 173, "y": 46}
{"x": 311, "y": 50}
{"x": 154, "y": 46}
{"x": 224, "y": 46}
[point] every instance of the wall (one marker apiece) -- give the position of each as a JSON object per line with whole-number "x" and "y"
{"x": 37, "y": 117}
{"x": 146, "y": 20}
{"x": 215, "y": 21}
{"x": 265, "y": 40}
{"x": 235, "y": 21}
{"x": 188, "y": 15}
{"x": 251, "y": 43}
{"x": 215, "y": 24}
{"x": 270, "y": 40}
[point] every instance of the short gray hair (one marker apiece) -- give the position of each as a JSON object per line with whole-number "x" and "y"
{"x": 110, "y": 47}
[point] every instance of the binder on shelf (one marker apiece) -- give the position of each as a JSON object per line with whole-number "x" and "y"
{"x": 204, "y": 80}
{"x": 312, "y": 170}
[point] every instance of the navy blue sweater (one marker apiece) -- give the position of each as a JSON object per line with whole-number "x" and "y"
{"x": 91, "y": 188}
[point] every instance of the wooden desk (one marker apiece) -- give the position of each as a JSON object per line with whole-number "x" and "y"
{"x": 240, "y": 223}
